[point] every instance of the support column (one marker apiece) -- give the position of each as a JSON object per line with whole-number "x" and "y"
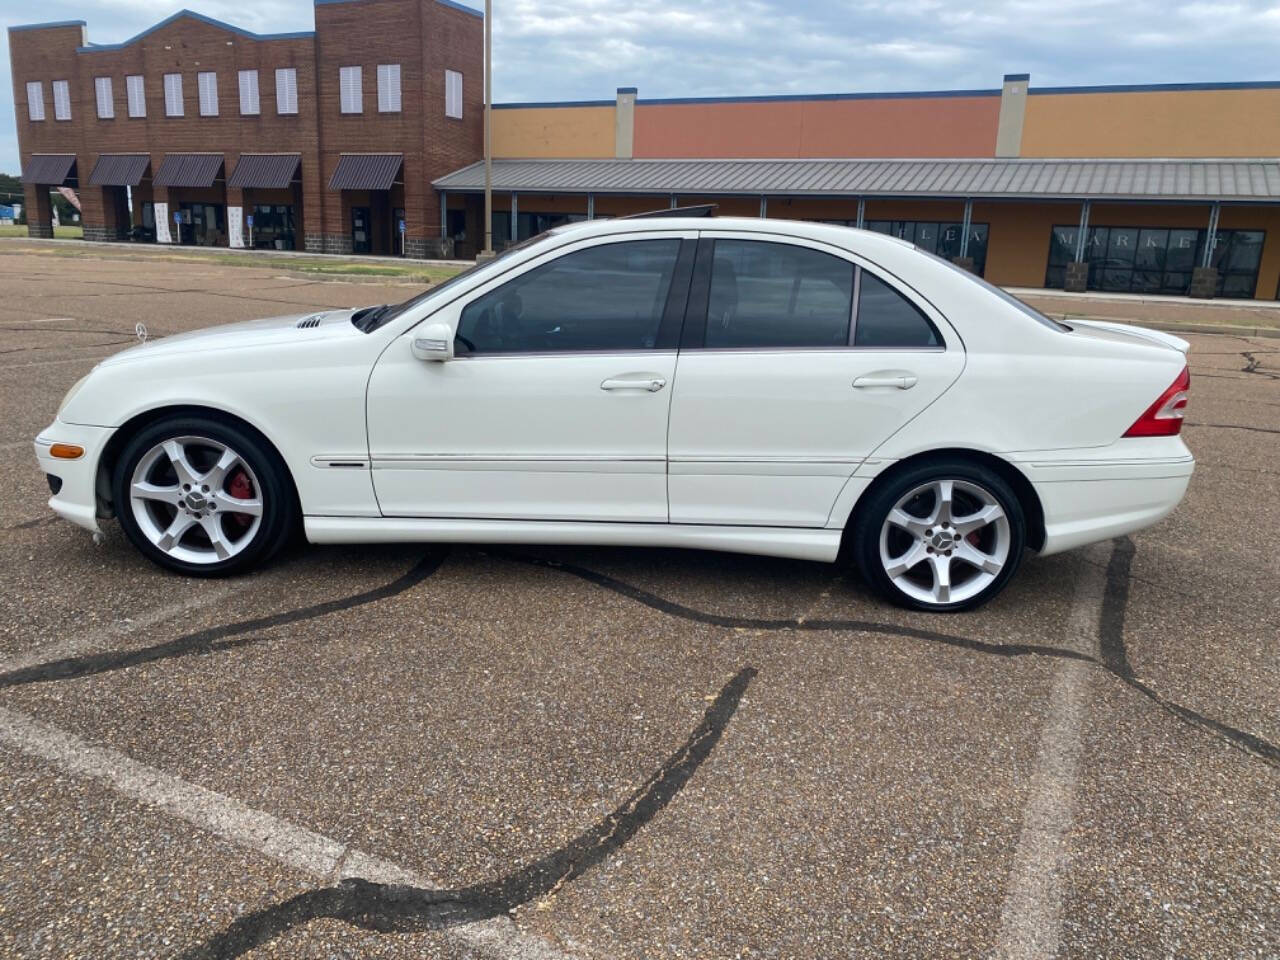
{"x": 673, "y": 204}
{"x": 1204, "y": 279}
{"x": 38, "y": 210}
{"x": 1077, "y": 275}
{"x": 861, "y": 222}
{"x": 964, "y": 261}
{"x": 764, "y": 208}
{"x": 444, "y": 214}
{"x": 515, "y": 216}
{"x": 591, "y": 206}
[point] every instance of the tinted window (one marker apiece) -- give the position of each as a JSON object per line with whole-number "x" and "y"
{"x": 777, "y": 295}
{"x": 888, "y": 319}
{"x": 609, "y": 297}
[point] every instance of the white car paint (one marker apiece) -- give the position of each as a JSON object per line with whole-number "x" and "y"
{"x": 763, "y": 451}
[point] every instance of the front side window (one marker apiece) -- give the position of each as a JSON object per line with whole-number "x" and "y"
{"x": 61, "y": 100}
{"x": 106, "y": 104}
{"x": 248, "y": 93}
{"x": 887, "y": 319}
{"x": 605, "y": 298}
{"x": 207, "y": 83}
{"x": 453, "y": 94}
{"x": 388, "y": 88}
{"x": 349, "y": 93}
{"x": 173, "y": 94}
{"x": 767, "y": 294}
{"x": 287, "y": 90}
{"x": 35, "y": 100}
{"x": 133, "y": 87}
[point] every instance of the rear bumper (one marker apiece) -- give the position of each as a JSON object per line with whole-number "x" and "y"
{"x": 76, "y": 499}
{"x": 1088, "y": 500}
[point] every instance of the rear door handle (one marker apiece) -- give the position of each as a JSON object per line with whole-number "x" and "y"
{"x": 651, "y": 384}
{"x": 903, "y": 381}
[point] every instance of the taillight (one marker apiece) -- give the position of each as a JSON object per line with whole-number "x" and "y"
{"x": 1164, "y": 417}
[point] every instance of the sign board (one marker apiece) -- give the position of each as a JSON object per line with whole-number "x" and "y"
{"x": 402, "y": 226}
{"x": 177, "y": 216}
{"x": 248, "y": 221}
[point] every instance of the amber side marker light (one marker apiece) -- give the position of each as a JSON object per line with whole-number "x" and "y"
{"x": 66, "y": 451}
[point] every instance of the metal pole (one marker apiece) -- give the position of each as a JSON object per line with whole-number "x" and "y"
{"x": 488, "y": 130}
{"x": 1082, "y": 234}
{"x": 673, "y": 201}
{"x": 1211, "y": 240}
{"x": 764, "y": 207}
{"x": 591, "y": 206}
{"x": 515, "y": 215}
{"x": 965, "y": 227}
{"x": 444, "y": 214}
{"x": 862, "y": 213}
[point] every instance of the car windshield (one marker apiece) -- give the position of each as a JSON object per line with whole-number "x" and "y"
{"x": 369, "y": 319}
{"x": 1004, "y": 295}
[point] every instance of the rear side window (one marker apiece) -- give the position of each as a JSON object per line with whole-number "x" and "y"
{"x": 766, "y": 294}
{"x": 888, "y": 319}
{"x": 605, "y": 298}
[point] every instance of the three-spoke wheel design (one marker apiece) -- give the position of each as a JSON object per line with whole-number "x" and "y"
{"x": 203, "y": 496}
{"x": 196, "y": 499}
{"x": 940, "y": 536}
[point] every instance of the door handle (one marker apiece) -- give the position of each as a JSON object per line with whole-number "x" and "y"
{"x": 651, "y": 384}
{"x": 903, "y": 381}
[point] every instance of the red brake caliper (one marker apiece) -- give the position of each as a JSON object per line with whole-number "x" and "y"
{"x": 240, "y": 488}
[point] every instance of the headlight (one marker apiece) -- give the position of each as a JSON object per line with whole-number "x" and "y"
{"x": 75, "y": 388}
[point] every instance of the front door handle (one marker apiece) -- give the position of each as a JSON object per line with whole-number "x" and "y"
{"x": 651, "y": 384}
{"x": 903, "y": 381}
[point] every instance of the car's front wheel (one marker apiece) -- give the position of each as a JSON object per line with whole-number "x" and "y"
{"x": 942, "y": 536}
{"x": 203, "y": 497}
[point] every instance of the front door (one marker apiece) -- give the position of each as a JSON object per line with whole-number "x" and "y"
{"x": 797, "y": 363}
{"x": 361, "y": 235}
{"x": 555, "y": 405}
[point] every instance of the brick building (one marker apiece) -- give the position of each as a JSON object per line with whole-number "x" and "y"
{"x": 321, "y": 140}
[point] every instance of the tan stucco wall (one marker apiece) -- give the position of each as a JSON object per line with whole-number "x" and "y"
{"x": 570, "y": 132}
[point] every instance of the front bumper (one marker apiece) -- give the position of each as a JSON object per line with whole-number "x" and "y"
{"x": 77, "y": 497}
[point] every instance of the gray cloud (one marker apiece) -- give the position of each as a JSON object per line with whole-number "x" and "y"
{"x": 584, "y": 49}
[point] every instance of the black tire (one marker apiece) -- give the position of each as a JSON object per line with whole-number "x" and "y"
{"x": 871, "y": 516}
{"x": 280, "y": 511}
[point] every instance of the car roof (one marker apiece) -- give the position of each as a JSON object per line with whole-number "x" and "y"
{"x": 838, "y": 235}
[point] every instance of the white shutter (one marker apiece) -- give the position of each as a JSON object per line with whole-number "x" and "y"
{"x": 349, "y": 84}
{"x": 388, "y": 88}
{"x": 61, "y": 100}
{"x": 133, "y": 86}
{"x": 207, "y": 83}
{"x": 287, "y": 90}
{"x": 249, "y": 92}
{"x": 106, "y": 104}
{"x": 35, "y": 100}
{"x": 453, "y": 94}
{"x": 173, "y": 94}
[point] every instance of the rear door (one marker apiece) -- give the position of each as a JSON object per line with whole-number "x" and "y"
{"x": 797, "y": 360}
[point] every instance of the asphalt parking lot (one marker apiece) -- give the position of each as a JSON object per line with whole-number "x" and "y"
{"x": 598, "y": 753}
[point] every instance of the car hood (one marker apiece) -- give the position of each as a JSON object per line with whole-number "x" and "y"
{"x": 250, "y": 334}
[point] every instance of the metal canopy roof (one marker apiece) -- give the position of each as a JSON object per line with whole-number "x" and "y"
{"x": 1253, "y": 180}
{"x": 366, "y": 171}
{"x": 119, "y": 169}
{"x": 48, "y": 169}
{"x": 188, "y": 170}
{"x": 268, "y": 171}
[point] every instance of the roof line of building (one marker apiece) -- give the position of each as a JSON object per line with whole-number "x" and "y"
{"x": 454, "y": 4}
{"x": 51, "y": 25}
{"x": 102, "y": 47}
{"x": 1160, "y": 87}
{"x": 1002, "y": 161}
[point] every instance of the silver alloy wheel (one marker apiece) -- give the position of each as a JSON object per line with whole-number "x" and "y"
{"x": 945, "y": 541}
{"x": 180, "y": 499}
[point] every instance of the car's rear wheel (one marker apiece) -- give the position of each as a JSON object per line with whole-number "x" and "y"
{"x": 943, "y": 536}
{"x": 202, "y": 497}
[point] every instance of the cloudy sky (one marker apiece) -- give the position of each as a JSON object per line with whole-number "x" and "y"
{"x": 584, "y": 49}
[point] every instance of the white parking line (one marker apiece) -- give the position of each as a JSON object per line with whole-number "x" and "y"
{"x": 1031, "y": 920}
{"x": 314, "y": 854}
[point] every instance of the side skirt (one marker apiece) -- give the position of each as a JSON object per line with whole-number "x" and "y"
{"x": 799, "y": 544}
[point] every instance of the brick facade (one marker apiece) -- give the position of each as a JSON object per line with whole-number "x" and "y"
{"x": 425, "y": 37}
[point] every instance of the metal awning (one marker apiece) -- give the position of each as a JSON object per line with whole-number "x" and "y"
{"x": 188, "y": 170}
{"x": 1207, "y": 179}
{"x": 119, "y": 169}
{"x": 48, "y": 169}
{"x": 266, "y": 171}
{"x": 366, "y": 171}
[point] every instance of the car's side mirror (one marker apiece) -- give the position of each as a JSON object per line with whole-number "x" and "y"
{"x": 433, "y": 341}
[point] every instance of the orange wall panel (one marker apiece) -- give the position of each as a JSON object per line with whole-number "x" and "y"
{"x": 553, "y": 132}
{"x": 854, "y": 127}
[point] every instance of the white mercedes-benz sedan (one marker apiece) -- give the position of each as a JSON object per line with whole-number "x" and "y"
{"x": 765, "y": 386}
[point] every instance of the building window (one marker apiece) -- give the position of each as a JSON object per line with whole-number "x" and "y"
{"x": 942, "y": 239}
{"x": 349, "y": 83}
{"x": 106, "y": 105}
{"x": 133, "y": 88}
{"x": 208, "y": 86}
{"x": 453, "y": 94}
{"x": 249, "y": 93}
{"x": 287, "y": 90}
{"x": 35, "y": 100}
{"x": 61, "y": 100}
{"x": 173, "y": 94}
{"x": 388, "y": 88}
{"x": 1157, "y": 259}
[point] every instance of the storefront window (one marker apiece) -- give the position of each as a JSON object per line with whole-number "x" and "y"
{"x": 936, "y": 237}
{"x": 1157, "y": 259}
{"x": 527, "y": 225}
{"x": 273, "y": 227}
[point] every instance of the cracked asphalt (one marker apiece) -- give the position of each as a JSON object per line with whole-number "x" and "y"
{"x": 385, "y": 752}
